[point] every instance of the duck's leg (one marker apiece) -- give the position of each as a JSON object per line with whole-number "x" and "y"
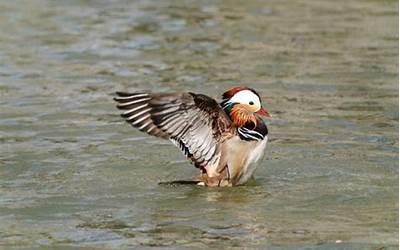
{"x": 225, "y": 178}
{"x": 221, "y": 180}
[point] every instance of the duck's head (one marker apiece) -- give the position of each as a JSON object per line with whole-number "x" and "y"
{"x": 242, "y": 104}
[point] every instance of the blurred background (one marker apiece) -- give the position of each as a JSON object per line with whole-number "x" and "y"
{"x": 74, "y": 175}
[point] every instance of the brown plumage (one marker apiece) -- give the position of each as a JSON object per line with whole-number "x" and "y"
{"x": 232, "y": 91}
{"x": 197, "y": 124}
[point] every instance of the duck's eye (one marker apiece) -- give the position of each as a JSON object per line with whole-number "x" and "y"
{"x": 251, "y": 103}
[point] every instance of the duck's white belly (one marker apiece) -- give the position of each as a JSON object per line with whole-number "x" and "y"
{"x": 242, "y": 156}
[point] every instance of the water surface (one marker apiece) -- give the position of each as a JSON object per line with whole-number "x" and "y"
{"x": 73, "y": 175}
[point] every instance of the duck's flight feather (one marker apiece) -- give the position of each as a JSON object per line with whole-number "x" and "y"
{"x": 193, "y": 122}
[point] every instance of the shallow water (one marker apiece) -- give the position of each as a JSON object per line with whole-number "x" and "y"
{"x": 74, "y": 175}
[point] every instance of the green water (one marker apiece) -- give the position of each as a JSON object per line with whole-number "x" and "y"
{"x": 73, "y": 175}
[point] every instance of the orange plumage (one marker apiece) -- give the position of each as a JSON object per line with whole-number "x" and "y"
{"x": 240, "y": 115}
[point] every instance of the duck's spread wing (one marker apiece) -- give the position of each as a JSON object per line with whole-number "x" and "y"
{"x": 193, "y": 122}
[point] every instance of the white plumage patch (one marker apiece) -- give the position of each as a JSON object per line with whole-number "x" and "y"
{"x": 254, "y": 156}
{"x": 242, "y": 156}
{"x": 246, "y": 97}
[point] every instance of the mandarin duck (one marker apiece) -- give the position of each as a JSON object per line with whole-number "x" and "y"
{"x": 222, "y": 140}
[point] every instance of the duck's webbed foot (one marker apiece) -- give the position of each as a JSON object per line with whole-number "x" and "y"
{"x": 221, "y": 180}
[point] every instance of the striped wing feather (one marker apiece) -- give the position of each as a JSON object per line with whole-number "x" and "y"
{"x": 194, "y": 123}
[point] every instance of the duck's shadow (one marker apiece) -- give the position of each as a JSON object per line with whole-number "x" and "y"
{"x": 179, "y": 182}
{"x": 252, "y": 191}
{"x": 251, "y": 182}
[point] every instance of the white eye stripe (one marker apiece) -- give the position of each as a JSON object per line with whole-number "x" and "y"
{"x": 246, "y": 97}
